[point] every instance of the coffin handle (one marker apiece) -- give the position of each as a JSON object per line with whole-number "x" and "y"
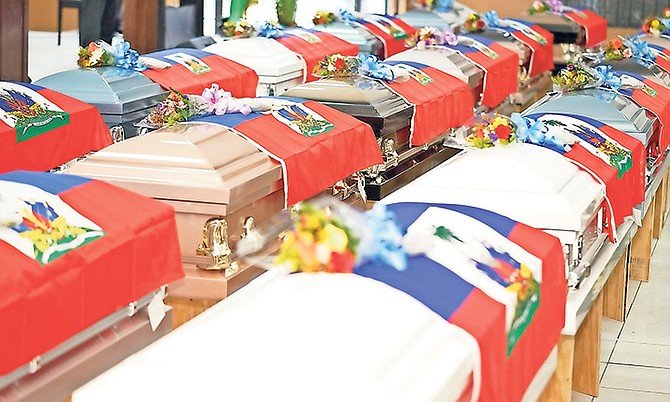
{"x": 215, "y": 245}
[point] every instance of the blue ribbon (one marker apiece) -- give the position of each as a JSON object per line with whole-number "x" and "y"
{"x": 444, "y": 6}
{"x": 641, "y": 51}
{"x": 125, "y": 57}
{"x": 491, "y": 19}
{"x": 270, "y": 30}
{"x": 371, "y": 66}
{"x": 346, "y": 17}
{"x": 383, "y": 243}
{"x": 606, "y": 73}
{"x": 535, "y": 132}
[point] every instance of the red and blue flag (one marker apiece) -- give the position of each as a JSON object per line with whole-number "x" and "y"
{"x": 593, "y": 24}
{"x": 542, "y": 54}
{"x": 390, "y": 30}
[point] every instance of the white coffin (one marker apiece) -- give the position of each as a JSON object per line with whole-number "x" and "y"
{"x": 302, "y": 337}
{"x": 524, "y": 182}
{"x": 278, "y": 68}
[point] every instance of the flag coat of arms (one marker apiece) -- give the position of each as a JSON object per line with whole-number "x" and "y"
{"x": 542, "y": 54}
{"x": 593, "y": 24}
{"x": 652, "y": 96}
{"x": 315, "y": 144}
{"x": 73, "y": 251}
{"x": 505, "y": 376}
{"x": 390, "y": 30}
{"x": 441, "y": 101}
{"x": 500, "y": 65}
{"x": 302, "y": 43}
{"x": 194, "y": 70}
{"x": 610, "y": 156}
{"x": 41, "y": 129}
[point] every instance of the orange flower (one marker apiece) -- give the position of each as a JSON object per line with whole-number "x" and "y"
{"x": 616, "y": 43}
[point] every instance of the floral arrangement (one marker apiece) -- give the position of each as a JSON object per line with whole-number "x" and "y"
{"x": 573, "y": 77}
{"x": 616, "y": 50}
{"x": 431, "y": 36}
{"x": 490, "y": 130}
{"x": 237, "y": 29}
{"x": 544, "y": 6}
{"x": 94, "y": 55}
{"x": 666, "y": 13}
{"x": 474, "y": 23}
{"x": 119, "y": 53}
{"x": 625, "y": 48}
{"x": 425, "y": 4}
{"x": 323, "y": 17}
{"x": 336, "y": 65}
{"x": 654, "y": 26}
{"x": 318, "y": 242}
{"x": 174, "y": 109}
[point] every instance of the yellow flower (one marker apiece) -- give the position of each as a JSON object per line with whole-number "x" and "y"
{"x": 655, "y": 23}
{"x": 334, "y": 237}
{"x": 498, "y": 120}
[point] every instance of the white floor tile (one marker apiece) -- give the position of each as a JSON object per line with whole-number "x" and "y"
{"x": 643, "y": 354}
{"x": 637, "y": 378}
{"x": 46, "y": 57}
{"x": 649, "y": 318}
{"x": 620, "y": 395}
{"x": 610, "y": 329}
{"x": 579, "y": 397}
{"x": 606, "y": 348}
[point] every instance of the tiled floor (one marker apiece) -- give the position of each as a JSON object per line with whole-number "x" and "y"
{"x": 635, "y": 357}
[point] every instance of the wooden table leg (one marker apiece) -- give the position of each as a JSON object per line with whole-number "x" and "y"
{"x": 559, "y": 388}
{"x": 614, "y": 291}
{"x": 185, "y": 309}
{"x": 640, "y": 249}
{"x": 660, "y": 201}
{"x": 586, "y": 369}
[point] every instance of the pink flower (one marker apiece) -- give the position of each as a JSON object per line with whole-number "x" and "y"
{"x": 219, "y": 102}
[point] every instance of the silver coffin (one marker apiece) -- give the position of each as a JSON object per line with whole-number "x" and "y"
{"x": 569, "y": 37}
{"x": 213, "y": 178}
{"x": 454, "y": 19}
{"x": 390, "y": 117}
{"x": 122, "y": 96}
{"x": 529, "y": 184}
{"x": 367, "y": 43}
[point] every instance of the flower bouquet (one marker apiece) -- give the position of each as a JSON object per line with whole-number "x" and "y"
{"x": 424, "y": 4}
{"x": 94, "y": 55}
{"x": 475, "y": 23}
{"x": 574, "y": 77}
{"x": 654, "y": 26}
{"x": 615, "y": 49}
{"x": 119, "y": 53}
{"x": 545, "y": 6}
{"x": 490, "y": 130}
{"x": 237, "y": 29}
{"x": 323, "y": 17}
{"x": 336, "y": 65}
{"x": 431, "y": 36}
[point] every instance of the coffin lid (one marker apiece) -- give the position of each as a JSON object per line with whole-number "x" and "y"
{"x": 424, "y": 18}
{"x": 112, "y": 90}
{"x": 357, "y": 96}
{"x": 359, "y": 36}
{"x": 607, "y": 106}
{"x": 654, "y": 72}
{"x": 446, "y": 60}
{"x": 265, "y": 56}
{"x": 524, "y": 182}
{"x": 457, "y": 15}
{"x": 554, "y": 23}
{"x": 508, "y": 41}
{"x": 188, "y": 162}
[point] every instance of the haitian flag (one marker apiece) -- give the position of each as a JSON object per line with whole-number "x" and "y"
{"x": 194, "y": 70}
{"x": 593, "y": 24}
{"x": 440, "y": 101}
{"x": 312, "y": 46}
{"x": 315, "y": 144}
{"x": 652, "y": 96}
{"x": 41, "y": 129}
{"x": 505, "y": 377}
{"x": 662, "y": 55}
{"x": 500, "y": 65}
{"x": 73, "y": 251}
{"x": 610, "y": 156}
{"x": 390, "y": 30}
{"x": 539, "y": 40}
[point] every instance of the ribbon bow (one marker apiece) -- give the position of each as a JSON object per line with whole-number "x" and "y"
{"x": 219, "y": 102}
{"x": 535, "y": 132}
{"x": 384, "y": 241}
{"x": 346, "y": 16}
{"x": 444, "y": 6}
{"x": 270, "y": 30}
{"x": 124, "y": 56}
{"x": 640, "y": 49}
{"x": 491, "y": 19}
{"x": 371, "y": 66}
{"x": 606, "y": 75}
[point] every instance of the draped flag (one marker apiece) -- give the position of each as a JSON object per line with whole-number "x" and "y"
{"x": 512, "y": 278}
{"x": 662, "y": 55}
{"x": 194, "y": 70}
{"x": 315, "y": 144}
{"x": 312, "y": 46}
{"x": 73, "y": 251}
{"x": 652, "y": 96}
{"x": 41, "y": 129}
{"x": 500, "y": 65}
{"x": 542, "y": 53}
{"x": 593, "y": 24}
{"x": 441, "y": 101}
{"x": 613, "y": 158}
{"x": 390, "y": 30}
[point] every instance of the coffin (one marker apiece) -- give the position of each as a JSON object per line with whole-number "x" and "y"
{"x": 359, "y": 36}
{"x": 123, "y": 97}
{"x": 564, "y": 30}
{"x": 211, "y": 190}
{"x": 390, "y": 117}
{"x": 398, "y": 350}
{"x": 277, "y": 67}
{"x": 528, "y": 184}
{"x": 454, "y": 19}
{"x": 653, "y": 71}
